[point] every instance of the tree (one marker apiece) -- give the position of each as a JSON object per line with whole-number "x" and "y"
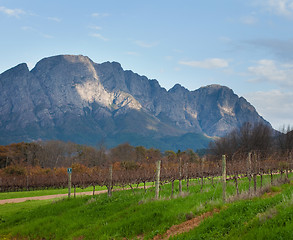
{"x": 153, "y": 155}
{"x": 140, "y": 153}
{"x": 257, "y": 137}
{"x": 192, "y": 156}
{"x": 285, "y": 140}
{"x": 226, "y": 145}
{"x": 170, "y": 155}
{"x": 123, "y": 153}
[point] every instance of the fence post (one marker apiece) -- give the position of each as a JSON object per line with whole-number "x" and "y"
{"x": 158, "y": 170}
{"x": 249, "y": 171}
{"x": 186, "y": 171}
{"x": 255, "y": 173}
{"x": 180, "y": 175}
{"x": 290, "y": 161}
{"x": 110, "y": 181}
{"x": 172, "y": 191}
{"x": 224, "y": 176}
{"x": 69, "y": 171}
{"x": 202, "y": 160}
{"x": 27, "y": 183}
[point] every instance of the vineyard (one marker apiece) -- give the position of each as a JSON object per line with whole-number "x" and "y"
{"x": 129, "y": 174}
{"x": 252, "y": 174}
{"x": 251, "y": 151}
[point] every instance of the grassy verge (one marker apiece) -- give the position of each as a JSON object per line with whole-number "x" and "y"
{"x": 257, "y": 218}
{"x": 99, "y": 217}
{"x": 129, "y": 213}
{"x": 9, "y": 195}
{"x": 53, "y": 191}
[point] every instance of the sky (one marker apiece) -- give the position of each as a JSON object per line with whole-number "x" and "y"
{"x": 246, "y": 45}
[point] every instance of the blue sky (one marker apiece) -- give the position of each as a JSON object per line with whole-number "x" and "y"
{"x": 246, "y": 45}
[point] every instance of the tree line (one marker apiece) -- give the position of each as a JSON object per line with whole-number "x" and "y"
{"x": 257, "y": 137}
{"x": 250, "y": 151}
{"x": 54, "y": 154}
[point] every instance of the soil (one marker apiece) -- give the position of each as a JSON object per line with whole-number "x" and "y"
{"x": 18, "y": 200}
{"x": 269, "y": 194}
{"x": 185, "y": 226}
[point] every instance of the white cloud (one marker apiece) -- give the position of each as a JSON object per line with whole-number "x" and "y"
{"x": 99, "y": 15}
{"x": 269, "y": 71}
{"x": 37, "y": 32}
{"x": 146, "y": 44}
{"x": 278, "y": 7}
{"x": 97, "y": 35}
{"x": 249, "y": 20}
{"x": 275, "y": 106}
{"x": 169, "y": 58}
{"x": 55, "y": 19}
{"x": 47, "y": 36}
{"x": 98, "y": 28}
{"x": 12, "y": 12}
{"x": 207, "y": 63}
{"x": 178, "y": 51}
{"x": 27, "y": 28}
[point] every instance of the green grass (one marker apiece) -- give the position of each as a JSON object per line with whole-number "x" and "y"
{"x": 258, "y": 218}
{"x": 9, "y": 195}
{"x": 128, "y": 214}
{"x": 99, "y": 217}
{"x": 53, "y": 191}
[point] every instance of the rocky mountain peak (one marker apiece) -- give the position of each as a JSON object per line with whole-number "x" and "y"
{"x": 177, "y": 87}
{"x": 21, "y": 68}
{"x": 74, "y": 67}
{"x": 69, "y": 97}
{"x": 59, "y": 59}
{"x": 17, "y": 70}
{"x": 215, "y": 88}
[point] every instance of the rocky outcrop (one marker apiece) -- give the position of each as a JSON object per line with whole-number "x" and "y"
{"x": 72, "y": 98}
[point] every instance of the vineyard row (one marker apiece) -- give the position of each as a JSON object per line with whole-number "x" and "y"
{"x": 17, "y": 178}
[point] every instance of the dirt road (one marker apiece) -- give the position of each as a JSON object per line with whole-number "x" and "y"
{"x": 18, "y": 200}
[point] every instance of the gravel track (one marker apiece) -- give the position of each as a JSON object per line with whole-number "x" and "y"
{"x": 18, "y": 200}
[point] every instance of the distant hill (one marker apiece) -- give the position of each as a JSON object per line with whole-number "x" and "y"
{"x": 71, "y": 98}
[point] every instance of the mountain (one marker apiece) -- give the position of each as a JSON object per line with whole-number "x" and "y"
{"x": 71, "y": 98}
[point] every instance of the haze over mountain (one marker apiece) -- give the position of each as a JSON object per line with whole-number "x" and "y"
{"x": 71, "y": 98}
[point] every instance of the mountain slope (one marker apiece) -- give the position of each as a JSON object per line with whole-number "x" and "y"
{"x": 71, "y": 98}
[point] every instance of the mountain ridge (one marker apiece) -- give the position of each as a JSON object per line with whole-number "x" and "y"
{"x": 70, "y": 97}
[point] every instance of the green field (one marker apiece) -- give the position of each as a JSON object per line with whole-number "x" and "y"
{"x": 22, "y": 194}
{"x": 132, "y": 214}
{"x": 53, "y": 191}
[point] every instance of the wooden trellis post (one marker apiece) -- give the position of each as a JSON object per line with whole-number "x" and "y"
{"x": 110, "y": 180}
{"x": 290, "y": 161}
{"x": 224, "y": 176}
{"x": 180, "y": 175}
{"x": 249, "y": 171}
{"x": 255, "y": 173}
{"x": 69, "y": 171}
{"x": 158, "y": 170}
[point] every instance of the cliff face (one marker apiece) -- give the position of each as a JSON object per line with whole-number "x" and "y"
{"x": 72, "y": 98}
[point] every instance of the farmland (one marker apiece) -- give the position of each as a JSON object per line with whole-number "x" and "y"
{"x": 136, "y": 214}
{"x": 241, "y": 189}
